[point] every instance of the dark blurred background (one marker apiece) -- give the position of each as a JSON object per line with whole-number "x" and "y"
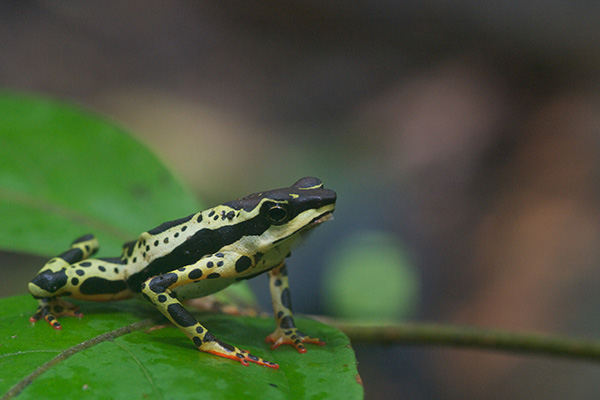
{"x": 462, "y": 139}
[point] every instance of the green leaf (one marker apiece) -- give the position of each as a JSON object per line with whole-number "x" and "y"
{"x": 162, "y": 363}
{"x": 65, "y": 173}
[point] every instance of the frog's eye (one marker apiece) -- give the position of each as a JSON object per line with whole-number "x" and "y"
{"x": 276, "y": 214}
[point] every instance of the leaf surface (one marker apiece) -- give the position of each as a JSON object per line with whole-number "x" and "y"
{"x": 162, "y": 363}
{"x": 65, "y": 172}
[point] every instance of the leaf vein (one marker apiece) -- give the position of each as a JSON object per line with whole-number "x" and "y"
{"x": 142, "y": 368}
{"x": 18, "y": 353}
{"x": 19, "y": 386}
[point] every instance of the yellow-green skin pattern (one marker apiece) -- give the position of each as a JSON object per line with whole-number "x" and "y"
{"x": 193, "y": 257}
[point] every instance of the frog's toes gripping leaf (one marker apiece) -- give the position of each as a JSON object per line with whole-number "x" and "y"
{"x": 292, "y": 337}
{"x": 53, "y": 307}
{"x": 222, "y": 349}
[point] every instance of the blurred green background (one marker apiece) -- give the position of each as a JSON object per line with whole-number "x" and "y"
{"x": 461, "y": 137}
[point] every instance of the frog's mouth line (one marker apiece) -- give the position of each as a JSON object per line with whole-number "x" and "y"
{"x": 326, "y": 216}
{"x": 320, "y": 219}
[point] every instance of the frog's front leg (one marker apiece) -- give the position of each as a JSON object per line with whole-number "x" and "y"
{"x": 286, "y": 331}
{"x": 158, "y": 290}
{"x": 50, "y": 308}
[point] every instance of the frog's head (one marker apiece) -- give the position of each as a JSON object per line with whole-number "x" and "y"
{"x": 285, "y": 214}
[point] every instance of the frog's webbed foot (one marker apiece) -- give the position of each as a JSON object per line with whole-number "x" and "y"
{"x": 52, "y": 307}
{"x": 225, "y": 350}
{"x": 293, "y": 337}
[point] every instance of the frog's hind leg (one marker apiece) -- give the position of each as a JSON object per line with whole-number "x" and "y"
{"x": 157, "y": 291}
{"x": 53, "y": 277}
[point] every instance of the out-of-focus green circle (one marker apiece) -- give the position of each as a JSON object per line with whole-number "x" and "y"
{"x": 370, "y": 277}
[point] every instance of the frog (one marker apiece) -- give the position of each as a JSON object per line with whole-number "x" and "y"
{"x": 194, "y": 257}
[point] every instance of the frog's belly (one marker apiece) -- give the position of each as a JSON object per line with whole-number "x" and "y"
{"x": 201, "y": 288}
